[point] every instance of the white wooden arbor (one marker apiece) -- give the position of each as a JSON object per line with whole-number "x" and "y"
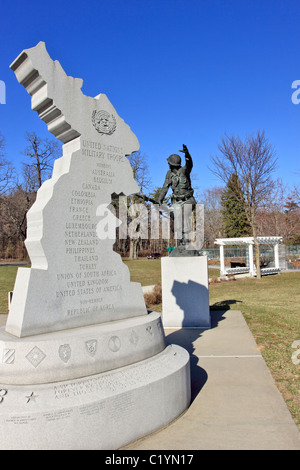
{"x": 249, "y": 241}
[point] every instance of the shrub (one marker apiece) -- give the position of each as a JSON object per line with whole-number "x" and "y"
{"x": 154, "y": 297}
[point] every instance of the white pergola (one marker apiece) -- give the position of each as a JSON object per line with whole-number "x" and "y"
{"x": 249, "y": 241}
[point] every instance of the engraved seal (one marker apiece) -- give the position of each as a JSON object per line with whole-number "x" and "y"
{"x": 114, "y": 343}
{"x": 104, "y": 122}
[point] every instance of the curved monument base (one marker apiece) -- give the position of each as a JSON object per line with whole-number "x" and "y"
{"x": 78, "y": 352}
{"x": 101, "y": 411}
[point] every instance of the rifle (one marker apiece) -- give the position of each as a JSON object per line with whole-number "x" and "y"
{"x": 163, "y": 208}
{"x": 146, "y": 198}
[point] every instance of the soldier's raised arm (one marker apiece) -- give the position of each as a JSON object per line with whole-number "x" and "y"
{"x": 188, "y": 158}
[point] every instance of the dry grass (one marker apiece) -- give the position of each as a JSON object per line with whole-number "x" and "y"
{"x": 271, "y": 309}
{"x": 7, "y": 280}
{"x": 154, "y": 297}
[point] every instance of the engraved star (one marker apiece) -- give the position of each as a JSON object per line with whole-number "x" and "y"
{"x": 3, "y": 392}
{"x": 31, "y": 397}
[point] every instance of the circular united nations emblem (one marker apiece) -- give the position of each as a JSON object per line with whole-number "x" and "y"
{"x": 104, "y": 122}
{"x": 114, "y": 343}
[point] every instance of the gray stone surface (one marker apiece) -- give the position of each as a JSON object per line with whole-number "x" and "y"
{"x": 101, "y": 411}
{"x": 185, "y": 299}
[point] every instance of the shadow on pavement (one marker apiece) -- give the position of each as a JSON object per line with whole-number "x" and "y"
{"x": 186, "y": 337}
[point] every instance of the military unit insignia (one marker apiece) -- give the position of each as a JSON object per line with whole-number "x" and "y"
{"x": 8, "y": 356}
{"x": 91, "y": 346}
{"x": 64, "y": 352}
{"x": 35, "y": 356}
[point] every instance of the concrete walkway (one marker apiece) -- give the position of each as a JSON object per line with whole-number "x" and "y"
{"x": 235, "y": 403}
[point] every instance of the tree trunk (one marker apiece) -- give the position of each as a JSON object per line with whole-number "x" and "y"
{"x": 38, "y": 163}
{"x": 257, "y": 258}
{"x": 256, "y": 244}
{"x": 133, "y": 249}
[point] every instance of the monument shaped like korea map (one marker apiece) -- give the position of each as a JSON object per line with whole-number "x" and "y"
{"x": 79, "y": 278}
{"x": 83, "y": 365}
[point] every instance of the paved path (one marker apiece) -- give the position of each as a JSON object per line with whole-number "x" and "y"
{"x": 236, "y": 404}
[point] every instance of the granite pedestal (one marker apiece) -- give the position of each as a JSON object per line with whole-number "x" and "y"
{"x": 185, "y": 296}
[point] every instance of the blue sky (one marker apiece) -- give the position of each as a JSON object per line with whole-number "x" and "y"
{"x": 177, "y": 71}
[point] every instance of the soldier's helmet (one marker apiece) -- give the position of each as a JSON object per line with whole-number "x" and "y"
{"x": 174, "y": 160}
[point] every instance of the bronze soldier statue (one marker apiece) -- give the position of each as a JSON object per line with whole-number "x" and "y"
{"x": 178, "y": 178}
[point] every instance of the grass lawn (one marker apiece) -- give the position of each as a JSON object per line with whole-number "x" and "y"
{"x": 7, "y": 280}
{"x": 143, "y": 270}
{"x": 270, "y": 307}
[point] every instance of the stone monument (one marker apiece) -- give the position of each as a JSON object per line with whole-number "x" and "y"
{"x": 185, "y": 297}
{"x": 82, "y": 363}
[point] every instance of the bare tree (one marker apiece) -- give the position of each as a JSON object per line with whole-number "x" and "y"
{"x": 17, "y": 204}
{"x": 253, "y": 161}
{"x": 21, "y": 196}
{"x": 7, "y": 183}
{"x": 213, "y": 220}
{"x": 140, "y": 169}
{"x": 41, "y": 153}
{"x": 15, "y": 197}
{"x": 7, "y": 172}
{"x": 296, "y": 194}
